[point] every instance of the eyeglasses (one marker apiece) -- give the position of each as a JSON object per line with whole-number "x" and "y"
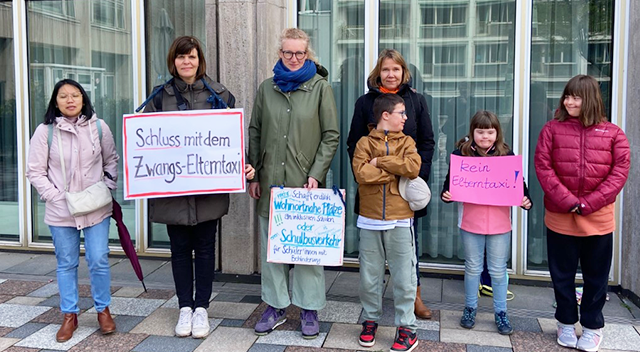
{"x": 403, "y": 112}
{"x": 289, "y": 54}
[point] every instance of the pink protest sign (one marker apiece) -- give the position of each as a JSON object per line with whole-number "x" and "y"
{"x": 495, "y": 180}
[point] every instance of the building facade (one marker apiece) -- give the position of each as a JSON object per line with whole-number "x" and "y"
{"x": 511, "y": 57}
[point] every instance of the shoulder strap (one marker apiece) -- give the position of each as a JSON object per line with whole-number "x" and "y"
{"x": 99, "y": 125}
{"x": 157, "y": 100}
{"x": 50, "y": 135}
{"x": 214, "y": 99}
{"x": 182, "y": 105}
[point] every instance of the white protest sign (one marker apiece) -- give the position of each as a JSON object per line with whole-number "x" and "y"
{"x": 183, "y": 153}
{"x": 306, "y": 226}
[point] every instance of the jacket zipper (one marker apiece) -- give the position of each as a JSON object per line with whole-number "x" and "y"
{"x": 581, "y": 180}
{"x": 384, "y": 187}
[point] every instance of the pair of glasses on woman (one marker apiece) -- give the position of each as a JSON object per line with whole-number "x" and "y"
{"x": 289, "y": 54}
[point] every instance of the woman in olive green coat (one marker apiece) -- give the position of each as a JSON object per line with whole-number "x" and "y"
{"x": 293, "y": 136}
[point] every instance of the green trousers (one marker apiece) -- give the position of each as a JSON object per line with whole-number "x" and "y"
{"x": 307, "y": 287}
{"x": 397, "y": 247}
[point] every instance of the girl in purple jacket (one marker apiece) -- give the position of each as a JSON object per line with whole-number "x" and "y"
{"x": 582, "y": 162}
{"x": 485, "y": 228}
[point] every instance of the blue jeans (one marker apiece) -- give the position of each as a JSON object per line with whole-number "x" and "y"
{"x": 66, "y": 241}
{"x": 498, "y": 249}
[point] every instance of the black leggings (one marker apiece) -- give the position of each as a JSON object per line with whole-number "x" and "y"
{"x": 184, "y": 241}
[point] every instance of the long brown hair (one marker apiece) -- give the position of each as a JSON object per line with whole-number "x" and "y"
{"x": 183, "y": 46}
{"x": 374, "y": 76}
{"x": 483, "y": 119}
{"x": 592, "y": 109}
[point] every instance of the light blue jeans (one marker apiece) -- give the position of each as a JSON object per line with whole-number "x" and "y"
{"x": 498, "y": 249}
{"x": 66, "y": 241}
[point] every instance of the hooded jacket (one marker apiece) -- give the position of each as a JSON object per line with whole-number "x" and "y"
{"x": 292, "y": 136}
{"x": 378, "y": 185}
{"x": 86, "y": 160}
{"x": 581, "y": 166}
{"x": 189, "y": 210}
{"x": 417, "y": 126}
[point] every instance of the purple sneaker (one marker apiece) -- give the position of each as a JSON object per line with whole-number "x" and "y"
{"x": 309, "y": 323}
{"x": 271, "y": 319}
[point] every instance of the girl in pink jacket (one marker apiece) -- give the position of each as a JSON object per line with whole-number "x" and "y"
{"x": 88, "y": 157}
{"x": 582, "y": 162}
{"x": 485, "y": 229}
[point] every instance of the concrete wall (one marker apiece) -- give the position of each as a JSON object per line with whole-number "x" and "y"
{"x": 243, "y": 45}
{"x": 631, "y": 220}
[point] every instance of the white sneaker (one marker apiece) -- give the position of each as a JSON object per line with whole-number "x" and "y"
{"x": 567, "y": 335}
{"x": 200, "y": 326}
{"x": 183, "y": 328}
{"x": 590, "y": 340}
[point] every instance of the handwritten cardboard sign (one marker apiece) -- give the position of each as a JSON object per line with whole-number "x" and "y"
{"x": 183, "y": 153}
{"x": 495, "y": 180}
{"x": 306, "y": 227}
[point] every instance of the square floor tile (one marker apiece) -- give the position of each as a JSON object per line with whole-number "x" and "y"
{"x": 26, "y": 301}
{"x": 45, "y": 338}
{"x": 430, "y": 346}
{"x": 129, "y": 291}
{"x": 20, "y": 288}
{"x": 157, "y": 294}
{"x": 125, "y": 323}
{"x": 231, "y": 310}
{"x": 37, "y": 265}
{"x": 133, "y": 306}
{"x": 431, "y": 335}
{"x": 523, "y": 341}
{"x": 525, "y": 324}
{"x": 14, "y": 315}
{"x": 116, "y": 342}
{"x": 340, "y": 312}
{"x": 25, "y": 330}
{"x": 161, "y": 322}
{"x": 428, "y": 324}
{"x": 258, "y": 347}
{"x": 225, "y": 339}
{"x": 476, "y": 348}
{"x": 84, "y": 303}
{"x": 291, "y": 338}
{"x": 473, "y": 337}
{"x": 346, "y": 336}
{"x": 52, "y": 316}
{"x": 167, "y": 344}
{"x": 46, "y": 291}
{"x": 620, "y": 337}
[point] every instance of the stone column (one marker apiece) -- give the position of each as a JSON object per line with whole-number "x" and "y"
{"x": 631, "y": 222}
{"x": 242, "y": 38}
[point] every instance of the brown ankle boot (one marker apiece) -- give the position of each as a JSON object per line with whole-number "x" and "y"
{"x": 69, "y": 325}
{"x": 107, "y": 325}
{"x": 421, "y": 311}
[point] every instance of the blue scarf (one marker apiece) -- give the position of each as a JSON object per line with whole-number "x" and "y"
{"x": 289, "y": 80}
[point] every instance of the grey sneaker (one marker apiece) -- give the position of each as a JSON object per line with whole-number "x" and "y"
{"x": 590, "y": 340}
{"x": 271, "y": 319}
{"x": 309, "y": 323}
{"x": 567, "y": 335}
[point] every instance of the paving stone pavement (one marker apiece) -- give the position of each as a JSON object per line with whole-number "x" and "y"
{"x": 29, "y": 316}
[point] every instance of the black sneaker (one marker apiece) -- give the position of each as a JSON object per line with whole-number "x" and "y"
{"x": 368, "y": 334}
{"x": 503, "y": 323}
{"x": 405, "y": 341}
{"x": 468, "y": 319}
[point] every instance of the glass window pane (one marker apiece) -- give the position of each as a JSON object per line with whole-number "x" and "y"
{"x": 8, "y": 134}
{"x": 87, "y": 53}
{"x": 472, "y": 70}
{"x": 568, "y": 38}
{"x": 337, "y": 36}
{"x": 164, "y": 21}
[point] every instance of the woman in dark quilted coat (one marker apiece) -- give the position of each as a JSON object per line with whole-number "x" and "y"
{"x": 582, "y": 162}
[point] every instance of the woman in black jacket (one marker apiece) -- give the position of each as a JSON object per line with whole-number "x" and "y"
{"x": 392, "y": 75}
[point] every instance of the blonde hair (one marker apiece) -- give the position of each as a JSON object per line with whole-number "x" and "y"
{"x": 374, "y": 76}
{"x": 592, "y": 108}
{"x": 297, "y": 33}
